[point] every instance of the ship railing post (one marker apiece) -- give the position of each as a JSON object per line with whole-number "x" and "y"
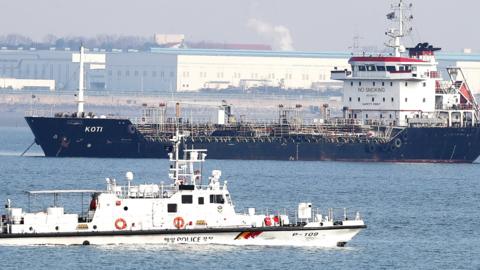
{"x": 296, "y": 217}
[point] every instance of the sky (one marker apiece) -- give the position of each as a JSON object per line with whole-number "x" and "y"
{"x": 302, "y": 25}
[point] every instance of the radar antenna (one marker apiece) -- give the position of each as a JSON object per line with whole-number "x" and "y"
{"x": 400, "y": 14}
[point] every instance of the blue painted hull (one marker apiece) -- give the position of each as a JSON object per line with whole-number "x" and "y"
{"x": 89, "y": 137}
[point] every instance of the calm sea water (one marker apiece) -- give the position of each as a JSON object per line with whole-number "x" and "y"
{"x": 419, "y": 216}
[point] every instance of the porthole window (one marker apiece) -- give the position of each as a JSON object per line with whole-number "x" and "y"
{"x": 172, "y": 208}
{"x": 217, "y": 199}
{"x": 187, "y": 199}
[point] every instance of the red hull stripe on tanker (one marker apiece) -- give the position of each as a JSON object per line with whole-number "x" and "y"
{"x": 384, "y": 59}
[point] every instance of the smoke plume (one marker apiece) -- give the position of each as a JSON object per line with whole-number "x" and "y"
{"x": 278, "y": 34}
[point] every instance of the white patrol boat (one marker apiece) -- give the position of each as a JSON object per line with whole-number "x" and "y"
{"x": 184, "y": 212}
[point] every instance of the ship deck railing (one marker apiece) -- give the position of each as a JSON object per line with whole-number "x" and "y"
{"x": 39, "y": 113}
{"x": 164, "y": 191}
{"x": 53, "y": 113}
{"x": 296, "y": 138}
{"x": 334, "y": 215}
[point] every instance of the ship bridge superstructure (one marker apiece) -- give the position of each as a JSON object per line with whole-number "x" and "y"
{"x": 406, "y": 90}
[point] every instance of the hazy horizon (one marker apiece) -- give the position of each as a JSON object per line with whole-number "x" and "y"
{"x": 306, "y": 25}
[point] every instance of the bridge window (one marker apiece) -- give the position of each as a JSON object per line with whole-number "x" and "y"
{"x": 361, "y": 68}
{"x": 172, "y": 208}
{"x": 187, "y": 199}
{"x": 214, "y": 198}
{"x": 380, "y": 68}
{"x": 371, "y": 68}
{"x": 391, "y": 68}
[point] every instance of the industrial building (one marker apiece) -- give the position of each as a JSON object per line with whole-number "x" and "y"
{"x": 181, "y": 70}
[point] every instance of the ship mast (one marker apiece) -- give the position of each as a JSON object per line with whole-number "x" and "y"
{"x": 398, "y": 14}
{"x": 182, "y": 171}
{"x": 81, "y": 98}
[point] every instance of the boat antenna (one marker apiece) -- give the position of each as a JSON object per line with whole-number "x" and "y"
{"x": 400, "y": 16}
{"x": 81, "y": 98}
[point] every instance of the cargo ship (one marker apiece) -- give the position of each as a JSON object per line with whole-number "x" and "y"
{"x": 396, "y": 108}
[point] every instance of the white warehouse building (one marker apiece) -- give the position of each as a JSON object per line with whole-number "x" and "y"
{"x": 193, "y": 69}
{"x": 175, "y": 70}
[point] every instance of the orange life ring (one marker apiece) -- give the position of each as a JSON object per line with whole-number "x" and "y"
{"x": 178, "y": 222}
{"x": 120, "y": 224}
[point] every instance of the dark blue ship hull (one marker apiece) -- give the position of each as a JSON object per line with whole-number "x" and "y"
{"x": 96, "y": 137}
